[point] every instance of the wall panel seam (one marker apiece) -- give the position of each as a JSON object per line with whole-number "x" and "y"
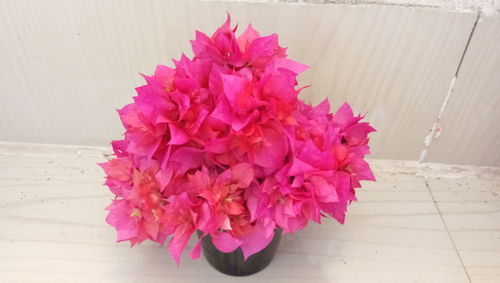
{"x": 435, "y": 130}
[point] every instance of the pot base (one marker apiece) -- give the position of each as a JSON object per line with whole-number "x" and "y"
{"x": 233, "y": 263}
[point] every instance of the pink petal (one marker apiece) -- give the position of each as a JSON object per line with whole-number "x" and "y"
{"x": 358, "y": 133}
{"x": 252, "y": 204}
{"x": 223, "y": 111}
{"x": 224, "y": 242}
{"x": 323, "y": 108}
{"x": 177, "y": 135}
{"x": 195, "y": 252}
{"x": 362, "y": 169}
{"x": 271, "y": 152}
{"x": 256, "y": 241}
{"x": 125, "y": 235}
{"x": 243, "y": 174}
{"x": 239, "y": 122}
{"x": 262, "y": 47}
{"x": 152, "y": 228}
{"x": 182, "y": 101}
{"x": 232, "y": 85}
{"x": 219, "y": 145}
{"x": 247, "y": 37}
{"x": 177, "y": 244}
{"x": 126, "y": 226}
{"x": 203, "y": 47}
{"x": 204, "y": 217}
{"x": 300, "y": 167}
{"x": 325, "y": 191}
{"x": 163, "y": 177}
{"x": 186, "y": 158}
{"x": 344, "y": 116}
{"x": 291, "y": 65}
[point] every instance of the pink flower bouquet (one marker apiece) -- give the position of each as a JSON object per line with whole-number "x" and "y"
{"x": 221, "y": 144}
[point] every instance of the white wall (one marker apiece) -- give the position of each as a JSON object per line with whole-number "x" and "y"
{"x": 65, "y": 66}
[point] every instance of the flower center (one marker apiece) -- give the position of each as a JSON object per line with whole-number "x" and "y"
{"x": 136, "y": 212}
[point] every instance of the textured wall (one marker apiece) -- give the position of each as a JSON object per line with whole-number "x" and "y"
{"x": 66, "y": 65}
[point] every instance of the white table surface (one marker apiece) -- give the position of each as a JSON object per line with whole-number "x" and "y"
{"x": 418, "y": 223}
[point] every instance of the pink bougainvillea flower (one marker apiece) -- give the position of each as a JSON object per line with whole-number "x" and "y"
{"x": 226, "y": 197}
{"x": 119, "y": 175}
{"x": 221, "y": 144}
{"x": 271, "y": 152}
{"x": 180, "y": 222}
{"x": 123, "y": 216}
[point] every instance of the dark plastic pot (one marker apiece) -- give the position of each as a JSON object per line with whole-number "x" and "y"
{"x": 233, "y": 263}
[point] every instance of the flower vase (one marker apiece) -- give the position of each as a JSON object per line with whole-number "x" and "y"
{"x": 233, "y": 263}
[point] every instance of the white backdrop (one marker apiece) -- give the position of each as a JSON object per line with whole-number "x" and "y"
{"x": 65, "y": 66}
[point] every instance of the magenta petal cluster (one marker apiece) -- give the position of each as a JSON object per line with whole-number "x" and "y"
{"x": 221, "y": 144}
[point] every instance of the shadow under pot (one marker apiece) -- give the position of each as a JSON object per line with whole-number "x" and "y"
{"x": 233, "y": 263}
